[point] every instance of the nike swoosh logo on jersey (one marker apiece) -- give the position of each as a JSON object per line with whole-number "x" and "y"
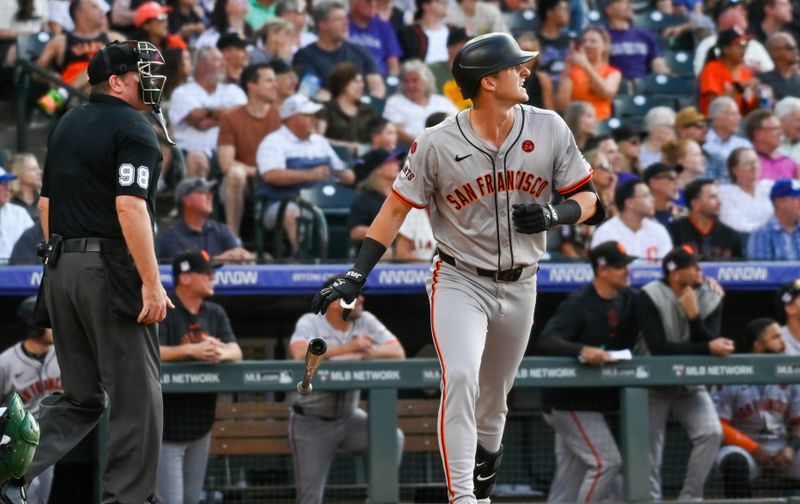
{"x": 19, "y": 374}
{"x": 482, "y": 478}
{"x": 461, "y": 158}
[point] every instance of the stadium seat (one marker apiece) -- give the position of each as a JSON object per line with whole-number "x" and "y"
{"x": 312, "y": 233}
{"x": 29, "y": 47}
{"x": 334, "y": 201}
{"x": 609, "y": 125}
{"x": 656, "y": 21}
{"x": 638, "y": 106}
{"x": 665, "y": 85}
{"x": 521, "y": 21}
{"x": 680, "y": 62}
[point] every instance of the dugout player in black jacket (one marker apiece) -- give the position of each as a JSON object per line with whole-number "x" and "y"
{"x": 101, "y": 285}
{"x": 593, "y": 320}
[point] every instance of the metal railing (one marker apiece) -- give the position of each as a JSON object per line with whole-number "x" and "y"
{"x": 384, "y": 378}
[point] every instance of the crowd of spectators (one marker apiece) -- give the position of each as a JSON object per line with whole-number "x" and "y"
{"x": 375, "y": 71}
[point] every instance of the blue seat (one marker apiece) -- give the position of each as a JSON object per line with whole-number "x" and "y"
{"x": 639, "y": 105}
{"x": 521, "y": 21}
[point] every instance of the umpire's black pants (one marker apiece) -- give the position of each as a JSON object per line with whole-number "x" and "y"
{"x": 102, "y": 358}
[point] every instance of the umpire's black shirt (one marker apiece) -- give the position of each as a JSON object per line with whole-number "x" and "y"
{"x": 586, "y": 319}
{"x": 96, "y": 152}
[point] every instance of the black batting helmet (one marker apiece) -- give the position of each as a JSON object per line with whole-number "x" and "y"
{"x": 486, "y": 55}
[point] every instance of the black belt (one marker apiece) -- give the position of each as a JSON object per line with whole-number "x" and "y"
{"x": 104, "y": 245}
{"x": 300, "y": 411}
{"x": 509, "y": 275}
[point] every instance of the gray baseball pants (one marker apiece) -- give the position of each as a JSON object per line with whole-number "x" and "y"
{"x": 106, "y": 362}
{"x": 694, "y": 409}
{"x": 587, "y": 458}
{"x": 182, "y": 471}
{"x": 480, "y": 330}
{"x": 315, "y": 443}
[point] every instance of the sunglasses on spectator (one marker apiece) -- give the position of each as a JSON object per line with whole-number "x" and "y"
{"x": 605, "y": 166}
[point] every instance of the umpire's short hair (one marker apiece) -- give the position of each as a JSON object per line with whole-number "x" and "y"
{"x": 322, "y": 11}
{"x": 694, "y": 189}
{"x": 625, "y": 192}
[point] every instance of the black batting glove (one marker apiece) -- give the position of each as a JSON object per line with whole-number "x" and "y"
{"x": 346, "y": 287}
{"x": 533, "y": 218}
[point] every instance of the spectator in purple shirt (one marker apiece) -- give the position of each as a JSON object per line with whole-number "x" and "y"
{"x": 763, "y": 129}
{"x": 368, "y": 30}
{"x": 195, "y": 229}
{"x": 633, "y": 50}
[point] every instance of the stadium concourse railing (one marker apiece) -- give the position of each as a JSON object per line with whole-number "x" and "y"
{"x": 383, "y": 379}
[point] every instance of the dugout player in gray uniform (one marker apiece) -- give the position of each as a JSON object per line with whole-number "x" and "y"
{"x": 30, "y": 368}
{"x": 756, "y": 420}
{"x": 681, "y": 314}
{"x": 487, "y": 177}
{"x": 101, "y": 284}
{"x": 326, "y": 422}
{"x": 593, "y": 320}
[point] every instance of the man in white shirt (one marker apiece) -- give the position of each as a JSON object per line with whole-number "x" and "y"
{"x": 196, "y": 107}
{"x": 788, "y": 301}
{"x": 634, "y": 228}
{"x": 294, "y": 158}
{"x": 14, "y": 219}
{"x": 722, "y": 139}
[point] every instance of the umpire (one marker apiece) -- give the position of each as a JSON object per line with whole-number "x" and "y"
{"x": 101, "y": 285}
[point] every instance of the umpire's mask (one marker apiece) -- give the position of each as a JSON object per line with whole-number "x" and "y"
{"x": 151, "y": 79}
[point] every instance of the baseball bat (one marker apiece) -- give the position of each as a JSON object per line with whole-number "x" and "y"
{"x": 314, "y": 357}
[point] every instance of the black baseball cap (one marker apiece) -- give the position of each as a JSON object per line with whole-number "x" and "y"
{"x": 191, "y": 185}
{"x": 115, "y": 58}
{"x": 194, "y": 261}
{"x": 373, "y": 159}
{"x": 732, "y": 35}
{"x": 457, "y": 35}
{"x": 611, "y": 254}
{"x": 626, "y": 132}
{"x": 231, "y": 40}
{"x": 679, "y": 258}
{"x": 789, "y": 291}
{"x": 657, "y": 169}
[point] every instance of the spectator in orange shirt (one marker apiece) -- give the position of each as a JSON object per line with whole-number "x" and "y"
{"x": 727, "y": 74}
{"x": 587, "y": 76}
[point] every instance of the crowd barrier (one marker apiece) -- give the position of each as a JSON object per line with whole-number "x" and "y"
{"x": 383, "y": 379}
{"x": 304, "y": 279}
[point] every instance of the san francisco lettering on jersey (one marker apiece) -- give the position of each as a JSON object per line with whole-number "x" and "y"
{"x": 509, "y": 180}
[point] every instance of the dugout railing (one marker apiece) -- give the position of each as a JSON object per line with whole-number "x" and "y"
{"x": 383, "y": 379}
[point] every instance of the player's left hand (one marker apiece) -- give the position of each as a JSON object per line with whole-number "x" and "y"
{"x": 532, "y": 218}
{"x": 784, "y": 457}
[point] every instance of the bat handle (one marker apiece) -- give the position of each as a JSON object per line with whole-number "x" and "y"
{"x": 347, "y": 307}
{"x": 304, "y": 387}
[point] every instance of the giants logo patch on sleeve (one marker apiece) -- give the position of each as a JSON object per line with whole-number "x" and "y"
{"x": 407, "y": 172}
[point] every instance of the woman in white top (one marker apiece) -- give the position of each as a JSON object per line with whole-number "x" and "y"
{"x": 744, "y": 203}
{"x": 416, "y": 100}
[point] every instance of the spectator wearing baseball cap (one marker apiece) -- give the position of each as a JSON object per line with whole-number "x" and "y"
{"x": 234, "y": 52}
{"x": 701, "y": 229}
{"x": 295, "y": 157}
{"x": 787, "y": 301}
{"x": 591, "y": 322}
{"x": 691, "y": 124}
{"x": 681, "y": 314}
{"x": 779, "y": 238}
{"x": 14, "y": 219}
{"x": 662, "y": 179}
{"x": 152, "y": 24}
{"x": 196, "y": 230}
{"x": 629, "y": 139}
{"x": 379, "y": 168}
{"x": 726, "y": 74}
{"x": 196, "y": 330}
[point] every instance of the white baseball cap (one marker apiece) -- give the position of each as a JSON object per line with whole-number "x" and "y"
{"x": 298, "y": 104}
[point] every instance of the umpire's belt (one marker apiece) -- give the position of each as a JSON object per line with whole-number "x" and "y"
{"x": 509, "y": 275}
{"x": 104, "y": 245}
{"x": 301, "y": 411}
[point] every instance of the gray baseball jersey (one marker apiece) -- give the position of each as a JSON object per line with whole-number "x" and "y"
{"x": 761, "y": 412}
{"x": 31, "y": 378}
{"x": 470, "y": 186}
{"x": 336, "y": 404}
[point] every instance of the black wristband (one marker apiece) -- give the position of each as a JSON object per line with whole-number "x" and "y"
{"x": 369, "y": 255}
{"x": 567, "y": 212}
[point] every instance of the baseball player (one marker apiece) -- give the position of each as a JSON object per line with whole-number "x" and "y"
{"x": 755, "y": 418}
{"x": 487, "y": 176}
{"x": 598, "y": 317}
{"x": 30, "y": 369}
